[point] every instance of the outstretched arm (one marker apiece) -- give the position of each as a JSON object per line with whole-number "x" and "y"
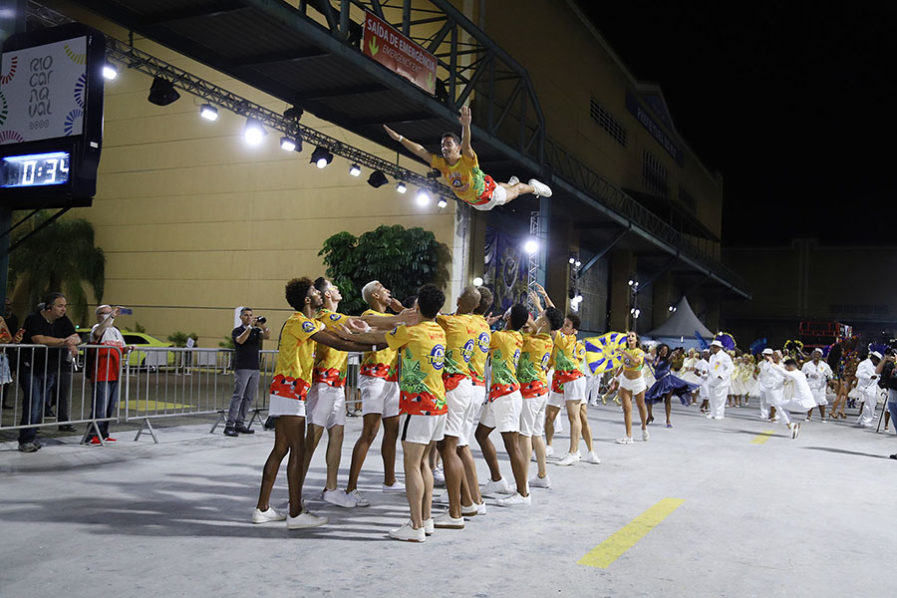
{"x": 541, "y": 290}
{"x": 331, "y": 340}
{"x": 465, "y": 118}
{"x": 415, "y": 148}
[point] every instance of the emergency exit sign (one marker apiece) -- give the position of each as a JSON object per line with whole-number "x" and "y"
{"x": 386, "y": 45}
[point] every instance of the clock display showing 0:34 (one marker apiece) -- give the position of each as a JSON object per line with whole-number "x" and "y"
{"x": 34, "y": 170}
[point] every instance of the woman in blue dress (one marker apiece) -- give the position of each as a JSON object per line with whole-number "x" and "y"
{"x": 667, "y": 384}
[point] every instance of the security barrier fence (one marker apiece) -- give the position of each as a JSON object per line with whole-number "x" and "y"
{"x": 52, "y": 387}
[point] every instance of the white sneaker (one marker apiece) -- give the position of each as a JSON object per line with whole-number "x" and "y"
{"x": 470, "y": 511}
{"x": 429, "y": 528}
{"x": 438, "y": 477}
{"x": 625, "y": 440}
{"x": 513, "y": 180}
{"x": 491, "y": 488}
{"x": 537, "y": 482}
{"x": 569, "y": 459}
{"x": 540, "y": 188}
{"x": 339, "y": 498}
{"x": 397, "y": 488}
{"x": 446, "y": 521}
{"x": 265, "y": 516}
{"x": 549, "y": 452}
{"x": 591, "y": 457}
{"x": 358, "y": 498}
{"x": 406, "y": 533}
{"x": 305, "y": 519}
{"x": 645, "y": 435}
{"x": 515, "y": 500}
{"x": 795, "y": 430}
{"x": 481, "y": 508}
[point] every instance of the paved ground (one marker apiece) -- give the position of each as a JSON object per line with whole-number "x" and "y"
{"x": 779, "y": 518}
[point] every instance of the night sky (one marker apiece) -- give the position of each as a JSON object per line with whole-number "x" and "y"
{"x": 794, "y": 102}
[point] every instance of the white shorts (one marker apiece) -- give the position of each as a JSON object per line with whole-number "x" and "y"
{"x": 819, "y": 396}
{"x": 378, "y": 395}
{"x": 555, "y": 399}
{"x": 634, "y": 386}
{"x": 575, "y": 390}
{"x": 499, "y": 198}
{"x": 423, "y": 429}
{"x": 285, "y": 406}
{"x": 503, "y": 413}
{"x": 474, "y": 411}
{"x": 532, "y": 416}
{"x": 458, "y": 402}
{"x": 326, "y": 405}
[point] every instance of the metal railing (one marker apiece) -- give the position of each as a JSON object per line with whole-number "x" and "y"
{"x": 154, "y": 383}
{"x": 44, "y": 387}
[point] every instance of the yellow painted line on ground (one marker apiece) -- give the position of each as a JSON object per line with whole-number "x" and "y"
{"x": 762, "y": 436}
{"x": 603, "y": 555}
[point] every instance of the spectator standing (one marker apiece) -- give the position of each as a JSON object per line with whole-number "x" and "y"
{"x": 103, "y": 368}
{"x": 7, "y": 336}
{"x": 247, "y": 344}
{"x": 49, "y": 327}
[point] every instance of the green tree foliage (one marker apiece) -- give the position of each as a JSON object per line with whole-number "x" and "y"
{"x": 60, "y": 257}
{"x": 402, "y": 259}
{"x": 180, "y": 338}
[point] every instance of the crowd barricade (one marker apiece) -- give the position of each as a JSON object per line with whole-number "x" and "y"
{"x": 49, "y": 386}
{"x": 149, "y": 383}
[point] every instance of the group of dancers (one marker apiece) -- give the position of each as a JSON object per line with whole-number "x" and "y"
{"x": 781, "y": 382}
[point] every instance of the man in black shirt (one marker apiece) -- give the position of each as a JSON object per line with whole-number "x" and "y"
{"x": 247, "y": 343}
{"x": 49, "y": 327}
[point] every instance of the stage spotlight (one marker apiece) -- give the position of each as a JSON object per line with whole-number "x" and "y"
{"x": 355, "y": 170}
{"x": 162, "y": 92}
{"x": 531, "y": 246}
{"x": 401, "y": 187}
{"x": 109, "y": 72}
{"x": 208, "y": 112}
{"x": 478, "y": 281}
{"x": 287, "y": 144}
{"x": 321, "y": 157}
{"x": 441, "y": 203}
{"x": 377, "y": 179}
{"x": 422, "y": 198}
{"x": 254, "y": 133}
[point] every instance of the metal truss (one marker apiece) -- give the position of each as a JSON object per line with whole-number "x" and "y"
{"x": 563, "y": 164}
{"x": 467, "y": 59}
{"x": 132, "y": 58}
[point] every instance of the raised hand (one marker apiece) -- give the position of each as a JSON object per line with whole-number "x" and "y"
{"x": 395, "y": 136}
{"x": 465, "y": 116}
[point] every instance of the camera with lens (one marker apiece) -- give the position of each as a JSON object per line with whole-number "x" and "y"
{"x": 261, "y": 320}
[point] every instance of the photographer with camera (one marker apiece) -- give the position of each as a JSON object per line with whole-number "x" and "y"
{"x": 247, "y": 344}
{"x": 888, "y": 372}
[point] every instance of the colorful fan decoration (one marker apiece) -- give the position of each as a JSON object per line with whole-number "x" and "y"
{"x": 605, "y": 352}
{"x": 758, "y": 345}
{"x": 726, "y": 339}
{"x": 794, "y": 348}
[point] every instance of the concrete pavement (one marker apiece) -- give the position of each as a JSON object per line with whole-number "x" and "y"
{"x": 807, "y": 517}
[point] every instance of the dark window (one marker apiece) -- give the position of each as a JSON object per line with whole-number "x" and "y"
{"x": 654, "y": 175}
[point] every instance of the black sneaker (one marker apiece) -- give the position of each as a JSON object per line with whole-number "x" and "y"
{"x": 230, "y": 431}
{"x": 29, "y": 447}
{"x": 894, "y": 456}
{"x": 243, "y": 429}
{"x": 270, "y": 422}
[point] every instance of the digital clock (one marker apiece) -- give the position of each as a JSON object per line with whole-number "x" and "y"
{"x": 34, "y": 170}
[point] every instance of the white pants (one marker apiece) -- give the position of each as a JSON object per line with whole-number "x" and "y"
{"x": 764, "y": 405}
{"x": 870, "y": 399}
{"x": 718, "y": 396}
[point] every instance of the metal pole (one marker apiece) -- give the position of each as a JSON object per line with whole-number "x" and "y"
{"x": 12, "y": 20}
